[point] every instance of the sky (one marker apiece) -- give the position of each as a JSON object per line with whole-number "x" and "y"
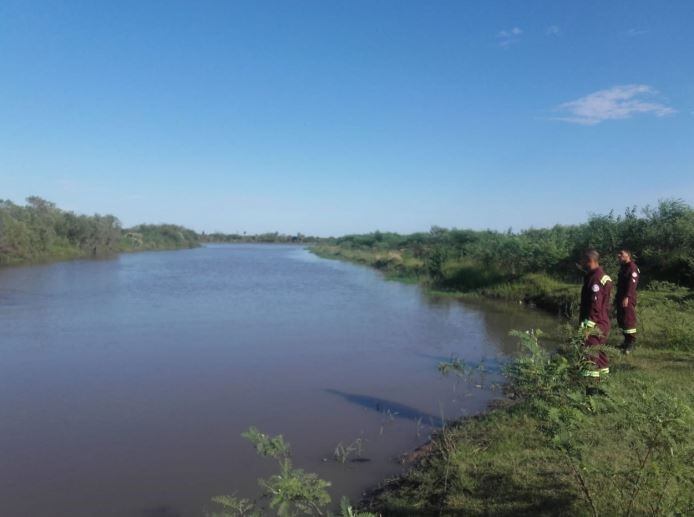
{"x": 334, "y": 117}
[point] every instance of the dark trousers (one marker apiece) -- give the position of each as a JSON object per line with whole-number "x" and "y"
{"x": 599, "y": 359}
{"x": 626, "y": 318}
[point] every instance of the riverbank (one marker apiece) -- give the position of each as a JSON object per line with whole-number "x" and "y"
{"x": 64, "y": 254}
{"x": 40, "y": 232}
{"x": 592, "y": 456}
{"x": 666, "y": 311}
{"x": 552, "y": 448}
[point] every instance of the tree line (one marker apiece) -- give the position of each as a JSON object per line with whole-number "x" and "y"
{"x": 39, "y": 231}
{"x": 265, "y": 238}
{"x": 661, "y": 239}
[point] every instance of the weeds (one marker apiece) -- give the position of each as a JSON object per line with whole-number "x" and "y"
{"x": 288, "y": 493}
{"x": 234, "y": 506}
{"x": 346, "y": 510}
{"x": 343, "y": 452}
{"x": 455, "y": 366}
{"x": 559, "y": 450}
{"x": 654, "y": 426}
{"x": 418, "y": 426}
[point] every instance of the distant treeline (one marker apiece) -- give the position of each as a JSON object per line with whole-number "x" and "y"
{"x": 40, "y": 231}
{"x": 661, "y": 239}
{"x": 271, "y": 237}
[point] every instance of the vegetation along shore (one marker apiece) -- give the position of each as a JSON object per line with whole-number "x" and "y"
{"x": 41, "y": 232}
{"x": 552, "y": 449}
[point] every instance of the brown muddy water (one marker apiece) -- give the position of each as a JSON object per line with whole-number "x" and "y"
{"x": 125, "y": 384}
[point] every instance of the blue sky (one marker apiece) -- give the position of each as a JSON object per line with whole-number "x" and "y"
{"x": 332, "y": 117}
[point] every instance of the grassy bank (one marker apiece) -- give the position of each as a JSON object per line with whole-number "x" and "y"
{"x": 554, "y": 448}
{"x": 625, "y": 452}
{"x": 666, "y": 311}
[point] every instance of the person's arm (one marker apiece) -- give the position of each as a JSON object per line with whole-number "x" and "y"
{"x": 599, "y": 300}
{"x": 586, "y": 302}
{"x": 632, "y": 285}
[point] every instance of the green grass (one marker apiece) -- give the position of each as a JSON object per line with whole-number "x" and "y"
{"x": 517, "y": 460}
{"x": 666, "y": 312}
{"x": 503, "y": 463}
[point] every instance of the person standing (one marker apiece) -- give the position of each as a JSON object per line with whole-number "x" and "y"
{"x": 595, "y": 311}
{"x": 625, "y": 300}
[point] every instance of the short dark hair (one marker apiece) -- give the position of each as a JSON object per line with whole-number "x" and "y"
{"x": 591, "y": 254}
{"x": 626, "y": 250}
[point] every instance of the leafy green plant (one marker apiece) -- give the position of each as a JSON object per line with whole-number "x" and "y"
{"x": 346, "y": 510}
{"x": 656, "y": 428}
{"x": 658, "y": 434}
{"x": 434, "y": 262}
{"x": 288, "y": 493}
{"x": 234, "y": 506}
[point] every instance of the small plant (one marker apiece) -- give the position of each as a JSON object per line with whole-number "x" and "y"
{"x": 455, "y": 366}
{"x": 268, "y": 446}
{"x": 292, "y": 491}
{"x": 655, "y": 428}
{"x": 346, "y": 510}
{"x": 232, "y": 505}
{"x": 418, "y": 426}
{"x": 343, "y": 452}
{"x": 658, "y": 434}
{"x": 435, "y": 262}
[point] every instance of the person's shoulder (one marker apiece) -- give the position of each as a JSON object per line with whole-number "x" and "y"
{"x": 602, "y": 277}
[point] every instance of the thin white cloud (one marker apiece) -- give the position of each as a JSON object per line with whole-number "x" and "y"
{"x": 618, "y": 102}
{"x": 636, "y": 32}
{"x": 508, "y": 37}
{"x": 553, "y": 30}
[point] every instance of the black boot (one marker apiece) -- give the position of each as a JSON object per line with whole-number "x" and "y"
{"x": 629, "y": 344}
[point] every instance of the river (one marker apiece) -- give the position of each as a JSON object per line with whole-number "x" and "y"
{"x": 125, "y": 383}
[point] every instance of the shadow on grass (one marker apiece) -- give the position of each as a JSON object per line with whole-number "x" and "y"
{"x": 496, "y": 493}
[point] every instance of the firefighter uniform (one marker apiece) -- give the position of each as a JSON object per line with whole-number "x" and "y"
{"x": 627, "y": 283}
{"x": 595, "y": 313}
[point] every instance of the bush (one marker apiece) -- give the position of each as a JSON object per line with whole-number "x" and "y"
{"x": 657, "y": 471}
{"x": 661, "y": 238}
{"x": 567, "y": 446}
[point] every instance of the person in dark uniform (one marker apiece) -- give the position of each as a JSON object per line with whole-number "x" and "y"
{"x": 595, "y": 310}
{"x": 625, "y": 300}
